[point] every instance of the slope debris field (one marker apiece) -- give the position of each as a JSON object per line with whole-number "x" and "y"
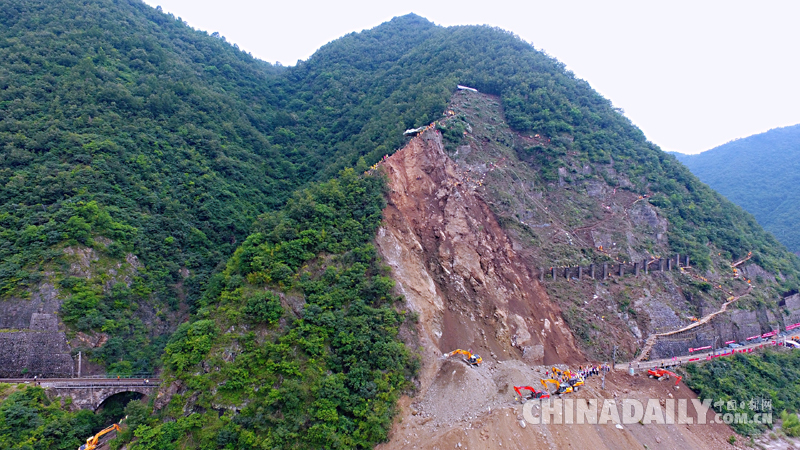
{"x": 433, "y": 237}
{"x": 172, "y": 205}
{"x": 559, "y": 209}
{"x": 456, "y": 267}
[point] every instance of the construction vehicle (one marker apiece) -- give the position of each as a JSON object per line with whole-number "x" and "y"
{"x": 472, "y": 360}
{"x": 791, "y": 343}
{"x": 534, "y": 393}
{"x": 561, "y": 388}
{"x": 574, "y": 379}
{"x": 664, "y": 374}
{"x": 91, "y": 443}
{"x": 576, "y": 382}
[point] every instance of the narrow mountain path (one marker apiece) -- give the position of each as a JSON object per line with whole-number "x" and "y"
{"x": 651, "y": 341}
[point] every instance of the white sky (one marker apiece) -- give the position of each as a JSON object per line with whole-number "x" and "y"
{"x": 691, "y": 74}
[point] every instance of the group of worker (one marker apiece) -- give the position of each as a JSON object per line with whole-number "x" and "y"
{"x": 568, "y": 376}
{"x": 593, "y": 370}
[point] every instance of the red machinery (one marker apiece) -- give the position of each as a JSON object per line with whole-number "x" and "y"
{"x": 534, "y": 393}
{"x": 664, "y": 374}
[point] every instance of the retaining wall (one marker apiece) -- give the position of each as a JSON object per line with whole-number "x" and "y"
{"x": 602, "y": 271}
{"x": 39, "y": 350}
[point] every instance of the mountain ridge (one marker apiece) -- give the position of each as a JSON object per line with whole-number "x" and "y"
{"x": 758, "y": 173}
{"x": 258, "y": 288}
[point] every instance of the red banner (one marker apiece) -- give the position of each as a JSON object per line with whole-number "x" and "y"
{"x": 699, "y": 348}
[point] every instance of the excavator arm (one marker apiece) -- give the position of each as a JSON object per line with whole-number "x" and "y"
{"x": 664, "y": 374}
{"x": 471, "y": 358}
{"x": 677, "y": 377}
{"x": 534, "y": 393}
{"x": 552, "y": 381}
{"x": 91, "y": 443}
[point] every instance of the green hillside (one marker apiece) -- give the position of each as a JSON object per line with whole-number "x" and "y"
{"x": 759, "y": 173}
{"x": 125, "y": 131}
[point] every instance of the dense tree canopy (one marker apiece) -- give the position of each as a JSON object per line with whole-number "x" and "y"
{"x": 124, "y": 130}
{"x": 759, "y": 173}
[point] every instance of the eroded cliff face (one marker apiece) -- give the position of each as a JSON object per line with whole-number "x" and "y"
{"x": 457, "y": 269}
{"x": 460, "y": 272}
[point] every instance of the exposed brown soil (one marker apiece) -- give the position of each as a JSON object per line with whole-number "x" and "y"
{"x": 456, "y": 266}
{"x": 460, "y": 272}
{"x": 470, "y": 413}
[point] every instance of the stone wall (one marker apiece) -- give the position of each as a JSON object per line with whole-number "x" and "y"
{"x": 40, "y": 349}
{"x": 16, "y": 313}
{"x": 602, "y": 271}
{"x": 737, "y": 325}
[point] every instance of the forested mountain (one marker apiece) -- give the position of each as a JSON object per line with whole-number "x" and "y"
{"x": 760, "y": 173}
{"x": 232, "y": 196}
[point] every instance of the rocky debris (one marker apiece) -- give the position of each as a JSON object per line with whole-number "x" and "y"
{"x": 754, "y": 271}
{"x": 443, "y": 423}
{"x": 455, "y": 265}
{"x": 644, "y": 215}
{"x": 474, "y": 286}
{"x": 93, "y": 340}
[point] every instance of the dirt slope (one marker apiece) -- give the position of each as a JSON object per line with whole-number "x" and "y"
{"x": 459, "y": 272}
{"x": 456, "y": 266}
{"x": 497, "y": 423}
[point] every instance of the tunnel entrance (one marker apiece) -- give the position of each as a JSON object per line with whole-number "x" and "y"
{"x": 112, "y": 409}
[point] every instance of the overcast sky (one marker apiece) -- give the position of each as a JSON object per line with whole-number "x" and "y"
{"x": 691, "y": 74}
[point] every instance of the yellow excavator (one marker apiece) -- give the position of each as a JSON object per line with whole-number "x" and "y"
{"x": 561, "y": 388}
{"x": 576, "y": 382}
{"x": 472, "y": 360}
{"x": 91, "y": 443}
{"x": 573, "y": 378}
